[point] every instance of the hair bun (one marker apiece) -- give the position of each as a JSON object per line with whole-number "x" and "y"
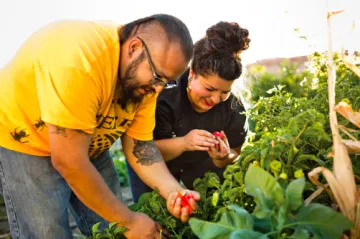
{"x": 227, "y": 38}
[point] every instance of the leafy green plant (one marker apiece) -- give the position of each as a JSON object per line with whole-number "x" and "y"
{"x": 294, "y": 82}
{"x": 111, "y": 232}
{"x": 120, "y": 167}
{"x": 279, "y": 213}
{"x": 292, "y": 136}
{"x": 299, "y": 144}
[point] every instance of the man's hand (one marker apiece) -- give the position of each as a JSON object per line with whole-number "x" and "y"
{"x": 145, "y": 158}
{"x": 141, "y": 226}
{"x": 173, "y": 204}
{"x": 199, "y": 140}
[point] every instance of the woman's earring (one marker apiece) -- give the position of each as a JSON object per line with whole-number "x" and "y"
{"x": 189, "y": 86}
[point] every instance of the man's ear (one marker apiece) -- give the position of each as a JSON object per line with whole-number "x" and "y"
{"x": 134, "y": 45}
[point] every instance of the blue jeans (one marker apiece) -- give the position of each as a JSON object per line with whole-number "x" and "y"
{"x": 37, "y": 197}
{"x": 138, "y": 187}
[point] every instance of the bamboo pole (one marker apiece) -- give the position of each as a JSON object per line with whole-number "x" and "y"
{"x": 342, "y": 164}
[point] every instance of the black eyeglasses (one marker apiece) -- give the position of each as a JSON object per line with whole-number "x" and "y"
{"x": 156, "y": 80}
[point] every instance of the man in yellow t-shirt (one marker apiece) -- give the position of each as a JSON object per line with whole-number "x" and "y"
{"x": 71, "y": 90}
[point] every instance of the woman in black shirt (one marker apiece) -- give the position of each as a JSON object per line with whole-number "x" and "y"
{"x": 200, "y": 104}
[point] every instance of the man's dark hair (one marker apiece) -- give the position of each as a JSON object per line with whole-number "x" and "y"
{"x": 173, "y": 27}
{"x": 218, "y": 53}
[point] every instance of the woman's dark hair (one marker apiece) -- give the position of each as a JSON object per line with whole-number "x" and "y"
{"x": 218, "y": 52}
{"x": 174, "y": 28}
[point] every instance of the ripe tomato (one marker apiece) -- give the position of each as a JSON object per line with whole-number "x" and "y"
{"x": 219, "y": 134}
{"x": 185, "y": 201}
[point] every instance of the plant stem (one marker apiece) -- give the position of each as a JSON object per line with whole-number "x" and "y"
{"x": 172, "y": 229}
{"x": 301, "y": 132}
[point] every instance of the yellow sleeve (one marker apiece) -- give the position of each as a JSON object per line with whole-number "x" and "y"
{"x": 143, "y": 124}
{"x": 68, "y": 97}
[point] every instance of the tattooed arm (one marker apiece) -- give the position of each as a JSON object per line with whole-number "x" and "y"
{"x": 69, "y": 156}
{"x": 145, "y": 158}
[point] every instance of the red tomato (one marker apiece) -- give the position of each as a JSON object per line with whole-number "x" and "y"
{"x": 219, "y": 134}
{"x": 185, "y": 202}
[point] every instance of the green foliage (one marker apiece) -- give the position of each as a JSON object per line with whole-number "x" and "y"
{"x": 215, "y": 198}
{"x": 261, "y": 81}
{"x": 291, "y": 137}
{"x": 273, "y": 116}
{"x": 120, "y": 167}
{"x": 347, "y": 84}
{"x": 291, "y": 146}
{"x": 111, "y": 232}
{"x": 282, "y": 210}
{"x": 232, "y": 219}
{"x": 154, "y": 205}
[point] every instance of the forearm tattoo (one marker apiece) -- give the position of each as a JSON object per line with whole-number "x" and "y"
{"x": 146, "y": 152}
{"x": 60, "y": 130}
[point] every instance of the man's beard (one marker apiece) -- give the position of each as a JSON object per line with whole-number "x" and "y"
{"x": 129, "y": 84}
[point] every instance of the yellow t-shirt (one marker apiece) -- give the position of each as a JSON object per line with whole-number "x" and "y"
{"x": 65, "y": 74}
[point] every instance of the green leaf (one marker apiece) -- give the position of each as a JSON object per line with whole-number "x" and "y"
{"x": 247, "y": 234}
{"x": 230, "y": 221}
{"x": 282, "y": 215}
{"x": 95, "y": 227}
{"x": 120, "y": 230}
{"x": 111, "y": 225}
{"x": 239, "y": 178}
{"x": 101, "y": 236}
{"x": 300, "y": 234}
{"x": 213, "y": 180}
{"x": 258, "y": 178}
{"x": 215, "y": 199}
{"x": 323, "y": 221}
{"x": 294, "y": 193}
{"x": 262, "y": 225}
{"x": 235, "y": 193}
{"x": 310, "y": 157}
{"x": 264, "y": 206}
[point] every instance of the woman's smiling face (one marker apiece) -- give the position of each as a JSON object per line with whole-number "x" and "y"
{"x": 206, "y": 92}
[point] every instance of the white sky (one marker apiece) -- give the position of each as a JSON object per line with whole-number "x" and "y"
{"x": 270, "y": 22}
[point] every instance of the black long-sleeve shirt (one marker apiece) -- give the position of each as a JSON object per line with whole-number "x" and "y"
{"x": 175, "y": 117}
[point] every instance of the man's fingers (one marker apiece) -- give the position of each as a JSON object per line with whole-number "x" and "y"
{"x": 162, "y": 233}
{"x": 177, "y": 208}
{"x": 171, "y": 201}
{"x": 184, "y": 214}
{"x": 165, "y": 235}
{"x": 193, "y": 204}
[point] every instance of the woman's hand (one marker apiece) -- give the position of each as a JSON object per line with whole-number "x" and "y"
{"x": 220, "y": 154}
{"x": 199, "y": 140}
